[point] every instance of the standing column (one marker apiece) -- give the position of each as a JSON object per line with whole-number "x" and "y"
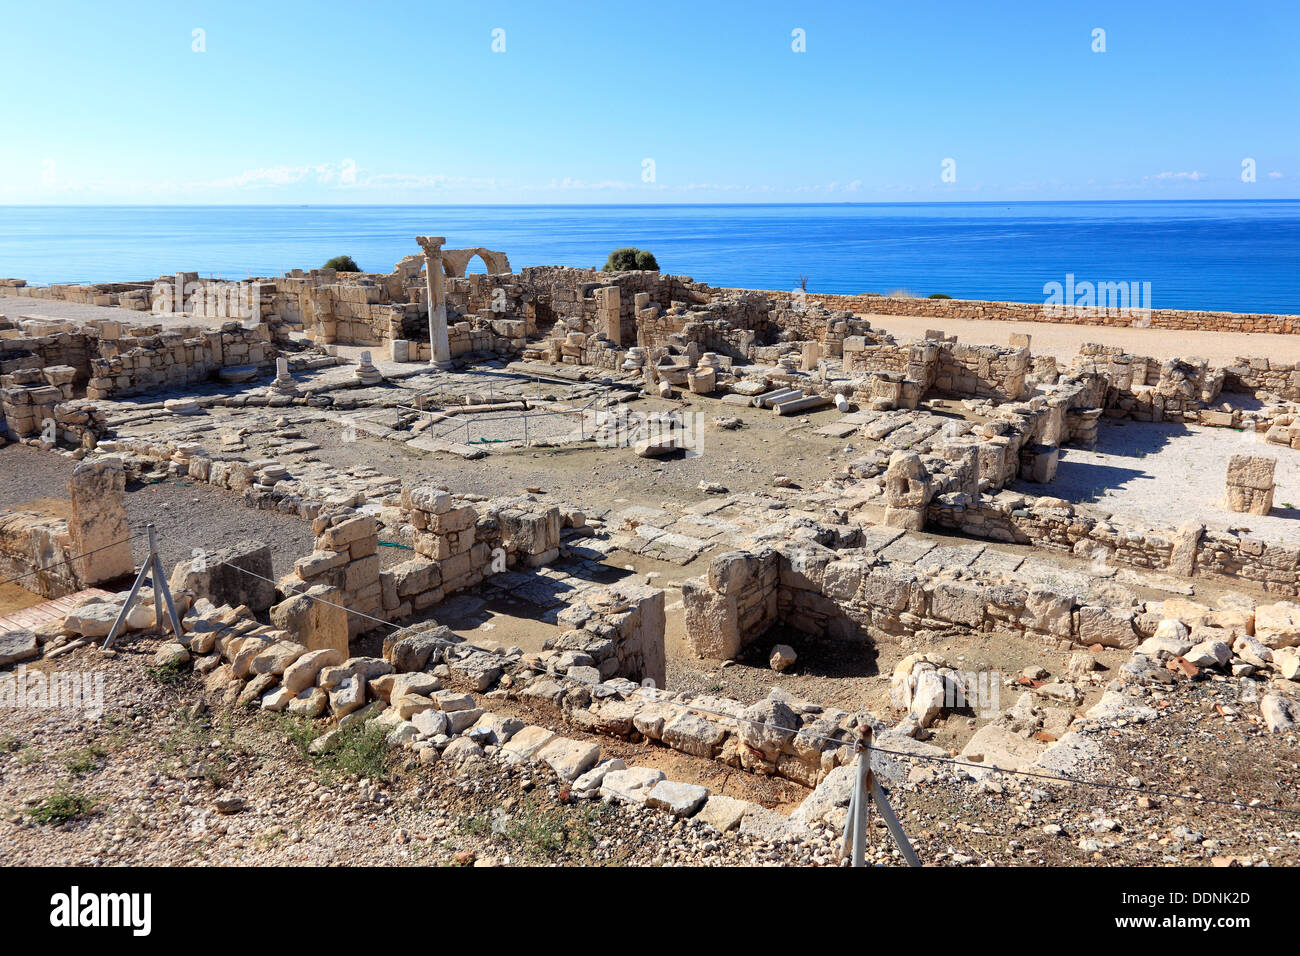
{"x": 439, "y": 346}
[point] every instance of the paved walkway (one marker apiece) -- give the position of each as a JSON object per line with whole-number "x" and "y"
{"x": 1063, "y": 341}
{"x": 14, "y": 307}
{"x": 29, "y": 618}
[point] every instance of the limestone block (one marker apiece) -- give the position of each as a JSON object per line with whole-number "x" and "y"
{"x": 98, "y": 522}
{"x": 241, "y": 574}
{"x": 312, "y": 623}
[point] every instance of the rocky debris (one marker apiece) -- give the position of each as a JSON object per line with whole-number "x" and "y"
{"x": 569, "y": 759}
{"x": 925, "y": 685}
{"x": 171, "y": 654}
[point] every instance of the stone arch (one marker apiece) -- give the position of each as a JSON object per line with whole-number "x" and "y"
{"x": 455, "y": 261}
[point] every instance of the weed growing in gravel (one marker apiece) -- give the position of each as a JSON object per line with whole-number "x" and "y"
{"x": 363, "y": 752}
{"x": 170, "y": 674}
{"x": 85, "y": 760}
{"x": 548, "y": 833}
{"x": 61, "y": 807}
{"x": 359, "y": 751}
{"x": 476, "y": 825}
{"x": 10, "y": 744}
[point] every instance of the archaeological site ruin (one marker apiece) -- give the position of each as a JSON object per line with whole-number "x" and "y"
{"x": 669, "y": 548}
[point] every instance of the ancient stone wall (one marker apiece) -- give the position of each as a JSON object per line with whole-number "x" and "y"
{"x": 22, "y": 349}
{"x": 982, "y": 371}
{"x": 1189, "y": 551}
{"x": 617, "y": 632}
{"x": 1261, "y": 376}
{"x": 58, "y": 554}
{"x": 853, "y": 595}
{"x": 144, "y": 358}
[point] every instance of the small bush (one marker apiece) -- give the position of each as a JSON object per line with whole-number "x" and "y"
{"x": 939, "y": 295}
{"x": 361, "y": 751}
{"x": 629, "y": 258}
{"x": 342, "y": 264}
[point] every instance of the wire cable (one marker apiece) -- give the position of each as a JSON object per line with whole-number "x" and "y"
{"x": 73, "y": 557}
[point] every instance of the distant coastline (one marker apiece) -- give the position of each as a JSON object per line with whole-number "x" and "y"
{"x": 1228, "y": 255}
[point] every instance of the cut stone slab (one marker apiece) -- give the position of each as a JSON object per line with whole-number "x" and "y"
{"x": 907, "y": 550}
{"x": 679, "y": 799}
{"x": 760, "y": 823}
{"x": 997, "y": 562}
{"x": 525, "y": 744}
{"x": 96, "y": 620}
{"x": 632, "y": 785}
{"x": 17, "y": 646}
{"x": 999, "y": 748}
{"x": 569, "y": 759}
{"x": 589, "y": 783}
{"x": 724, "y": 813}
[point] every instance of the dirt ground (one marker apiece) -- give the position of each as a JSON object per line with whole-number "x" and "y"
{"x": 744, "y": 460}
{"x": 210, "y": 517}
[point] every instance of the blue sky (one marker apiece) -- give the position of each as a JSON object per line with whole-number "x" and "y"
{"x": 607, "y": 102}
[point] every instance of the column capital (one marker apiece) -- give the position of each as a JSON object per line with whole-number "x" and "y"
{"x": 432, "y": 245}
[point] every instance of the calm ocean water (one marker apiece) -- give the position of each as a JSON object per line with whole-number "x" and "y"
{"x": 1234, "y": 256}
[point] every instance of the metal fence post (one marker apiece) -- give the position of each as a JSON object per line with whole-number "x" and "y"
{"x": 862, "y": 796}
{"x": 152, "y": 565}
{"x": 160, "y": 587}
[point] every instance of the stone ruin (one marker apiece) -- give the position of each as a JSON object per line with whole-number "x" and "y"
{"x": 949, "y": 440}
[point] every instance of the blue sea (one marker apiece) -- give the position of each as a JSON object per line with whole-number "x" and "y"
{"x": 1230, "y": 255}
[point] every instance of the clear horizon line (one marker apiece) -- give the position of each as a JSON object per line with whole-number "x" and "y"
{"x": 624, "y": 205}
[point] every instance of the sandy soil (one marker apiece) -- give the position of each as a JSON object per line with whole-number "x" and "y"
{"x": 1063, "y": 341}
{"x": 598, "y": 478}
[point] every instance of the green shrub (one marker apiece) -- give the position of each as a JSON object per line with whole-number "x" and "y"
{"x": 939, "y": 295}
{"x": 342, "y": 264}
{"x": 61, "y": 807}
{"x": 629, "y": 258}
